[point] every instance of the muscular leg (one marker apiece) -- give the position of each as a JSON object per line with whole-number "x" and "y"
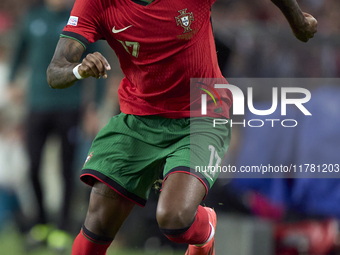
{"x": 178, "y": 202}
{"x": 181, "y": 217}
{"x": 107, "y": 210}
{"x": 106, "y": 213}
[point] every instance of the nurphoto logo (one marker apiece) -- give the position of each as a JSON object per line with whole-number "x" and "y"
{"x": 239, "y": 105}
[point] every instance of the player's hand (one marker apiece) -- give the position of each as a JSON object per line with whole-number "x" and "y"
{"x": 95, "y": 65}
{"x": 307, "y": 29}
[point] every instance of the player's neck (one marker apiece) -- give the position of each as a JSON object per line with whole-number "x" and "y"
{"x": 146, "y": 2}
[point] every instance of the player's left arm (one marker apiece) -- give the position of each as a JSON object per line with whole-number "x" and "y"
{"x": 303, "y": 25}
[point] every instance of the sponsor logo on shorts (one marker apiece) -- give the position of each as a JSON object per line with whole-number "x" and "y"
{"x": 73, "y": 21}
{"x": 88, "y": 158}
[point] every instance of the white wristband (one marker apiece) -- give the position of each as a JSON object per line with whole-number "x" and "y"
{"x": 75, "y": 72}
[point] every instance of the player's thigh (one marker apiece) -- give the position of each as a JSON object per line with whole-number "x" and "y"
{"x": 201, "y": 153}
{"x": 107, "y": 210}
{"x": 125, "y": 156}
{"x": 184, "y": 184}
{"x": 181, "y": 195}
{"x": 208, "y": 147}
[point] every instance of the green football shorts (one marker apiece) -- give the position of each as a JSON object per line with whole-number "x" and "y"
{"x": 130, "y": 152}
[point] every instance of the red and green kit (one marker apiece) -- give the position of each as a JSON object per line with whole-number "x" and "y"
{"x": 160, "y": 47}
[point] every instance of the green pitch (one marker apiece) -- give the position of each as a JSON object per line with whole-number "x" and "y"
{"x": 11, "y": 242}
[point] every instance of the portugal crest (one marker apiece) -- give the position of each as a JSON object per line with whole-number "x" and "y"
{"x": 88, "y": 158}
{"x": 184, "y": 19}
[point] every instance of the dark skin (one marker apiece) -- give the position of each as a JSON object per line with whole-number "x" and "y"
{"x": 69, "y": 52}
{"x": 66, "y": 56}
{"x": 303, "y": 25}
{"x": 107, "y": 209}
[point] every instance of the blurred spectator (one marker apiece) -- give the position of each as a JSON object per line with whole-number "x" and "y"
{"x": 309, "y": 196}
{"x": 13, "y": 160}
{"x": 49, "y": 112}
{"x": 13, "y": 169}
{"x": 262, "y": 44}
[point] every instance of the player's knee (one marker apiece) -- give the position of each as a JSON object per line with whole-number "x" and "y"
{"x": 174, "y": 218}
{"x": 99, "y": 219}
{"x": 97, "y": 223}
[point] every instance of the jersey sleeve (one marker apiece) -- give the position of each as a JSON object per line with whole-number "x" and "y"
{"x": 84, "y": 22}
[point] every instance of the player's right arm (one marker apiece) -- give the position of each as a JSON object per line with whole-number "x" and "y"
{"x": 304, "y": 25}
{"x": 66, "y": 57}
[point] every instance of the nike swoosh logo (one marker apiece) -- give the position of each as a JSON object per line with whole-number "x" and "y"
{"x": 115, "y": 31}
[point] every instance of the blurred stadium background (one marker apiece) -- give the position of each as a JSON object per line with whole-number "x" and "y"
{"x": 256, "y": 216}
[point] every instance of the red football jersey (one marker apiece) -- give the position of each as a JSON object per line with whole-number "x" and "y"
{"x": 160, "y": 47}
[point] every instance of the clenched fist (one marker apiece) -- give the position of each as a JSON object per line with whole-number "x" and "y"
{"x": 95, "y": 65}
{"x": 306, "y": 29}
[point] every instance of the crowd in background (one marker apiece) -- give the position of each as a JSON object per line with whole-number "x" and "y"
{"x": 263, "y": 46}
{"x": 256, "y": 32}
{"x": 254, "y": 41}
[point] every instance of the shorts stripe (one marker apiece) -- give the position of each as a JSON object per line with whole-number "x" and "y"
{"x": 191, "y": 171}
{"x": 112, "y": 184}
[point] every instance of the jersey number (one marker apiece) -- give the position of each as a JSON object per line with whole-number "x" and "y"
{"x": 214, "y": 157}
{"x": 128, "y": 45}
